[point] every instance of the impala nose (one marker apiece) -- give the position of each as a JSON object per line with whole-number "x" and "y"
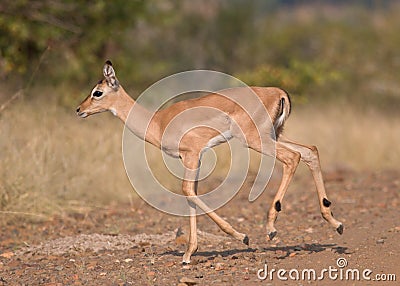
{"x": 78, "y": 109}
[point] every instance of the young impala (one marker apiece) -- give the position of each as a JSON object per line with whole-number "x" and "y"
{"x": 108, "y": 94}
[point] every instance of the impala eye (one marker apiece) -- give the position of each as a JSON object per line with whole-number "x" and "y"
{"x": 97, "y": 93}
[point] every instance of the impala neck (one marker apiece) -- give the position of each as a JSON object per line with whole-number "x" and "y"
{"x": 138, "y": 121}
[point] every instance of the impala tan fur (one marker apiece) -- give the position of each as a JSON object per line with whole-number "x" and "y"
{"x": 188, "y": 137}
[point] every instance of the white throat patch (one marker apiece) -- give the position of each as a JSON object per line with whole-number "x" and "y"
{"x": 113, "y": 111}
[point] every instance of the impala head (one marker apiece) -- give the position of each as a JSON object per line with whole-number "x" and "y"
{"x": 103, "y": 95}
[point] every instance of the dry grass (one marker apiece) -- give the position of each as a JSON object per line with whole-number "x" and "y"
{"x": 53, "y": 162}
{"x": 348, "y": 138}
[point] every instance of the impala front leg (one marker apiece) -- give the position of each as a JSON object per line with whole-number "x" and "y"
{"x": 189, "y": 188}
{"x": 192, "y": 244}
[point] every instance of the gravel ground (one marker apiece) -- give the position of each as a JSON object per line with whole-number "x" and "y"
{"x": 138, "y": 245}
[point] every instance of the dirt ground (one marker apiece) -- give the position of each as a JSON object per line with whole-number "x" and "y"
{"x": 134, "y": 244}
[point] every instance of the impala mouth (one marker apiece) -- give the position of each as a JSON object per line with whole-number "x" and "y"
{"x": 82, "y": 114}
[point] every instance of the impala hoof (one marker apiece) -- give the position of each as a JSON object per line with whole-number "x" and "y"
{"x": 272, "y": 234}
{"x": 246, "y": 240}
{"x": 340, "y": 229}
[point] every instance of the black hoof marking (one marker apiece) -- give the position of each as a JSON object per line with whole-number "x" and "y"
{"x": 326, "y": 203}
{"x": 278, "y": 206}
{"x": 185, "y": 263}
{"x": 246, "y": 240}
{"x": 272, "y": 235}
{"x": 340, "y": 229}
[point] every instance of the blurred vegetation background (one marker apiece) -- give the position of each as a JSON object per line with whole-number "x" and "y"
{"x": 314, "y": 49}
{"x": 339, "y": 60}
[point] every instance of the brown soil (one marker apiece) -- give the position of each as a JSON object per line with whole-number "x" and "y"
{"x": 137, "y": 245}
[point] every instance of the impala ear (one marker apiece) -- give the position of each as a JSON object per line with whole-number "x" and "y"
{"x": 109, "y": 74}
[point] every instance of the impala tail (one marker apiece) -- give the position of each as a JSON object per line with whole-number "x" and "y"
{"x": 283, "y": 113}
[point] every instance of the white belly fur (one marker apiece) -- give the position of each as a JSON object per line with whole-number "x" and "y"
{"x": 221, "y": 138}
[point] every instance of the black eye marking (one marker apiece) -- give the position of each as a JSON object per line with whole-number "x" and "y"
{"x": 97, "y": 93}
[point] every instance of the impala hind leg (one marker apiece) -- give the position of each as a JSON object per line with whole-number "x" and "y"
{"x": 309, "y": 155}
{"x": 290, "y": 160}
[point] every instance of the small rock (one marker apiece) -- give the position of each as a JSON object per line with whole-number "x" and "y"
{"x": 152, "y": 260}
{"x": 128, "y": 260}
{"x": 59, "y": 268}
{"x": 219, "y": 266}
{"x": 181, "y": 240}
{"x": 180, "y": 237}
{"x": 7, "y": 254}
{"x": 144, "y": 243}
{"x": 151, "y": 273}
{"x": 292, "y": 254}
{"x": 103, "y": 274}
{"x": 186, "y": 266}
{"x": 169, "y": 264}
{"x": 394, "y": 229}
{"x": 187, "y": 281}
{"x": 309, "y": 230}
{"x": 380, "y": 241}
{"x": 225, "y": 279}
{"x": 252, "y": 270}
{"x": 133, "y": 251}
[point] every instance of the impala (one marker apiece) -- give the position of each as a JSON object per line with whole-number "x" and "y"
{"x": 109, "y": 95}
